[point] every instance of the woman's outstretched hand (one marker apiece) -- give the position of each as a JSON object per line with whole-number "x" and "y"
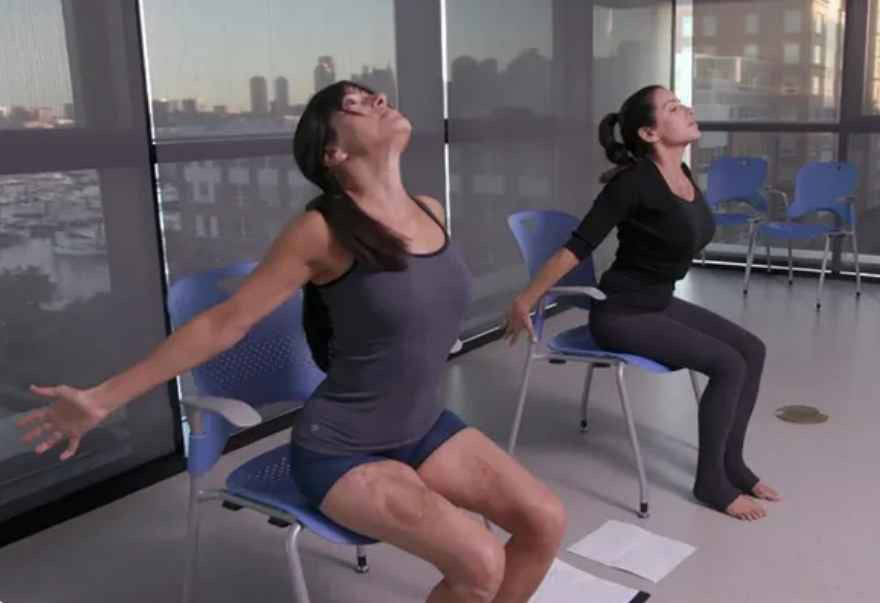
{"x": 72, "y": 414}
{"x": 518, "y": 320}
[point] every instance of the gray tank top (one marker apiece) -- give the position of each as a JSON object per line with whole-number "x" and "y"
{"x": 392, "y": 332}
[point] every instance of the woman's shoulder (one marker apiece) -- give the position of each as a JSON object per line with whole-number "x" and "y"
{"x": 307, "y": 232}
{"x": 628, "y": 179}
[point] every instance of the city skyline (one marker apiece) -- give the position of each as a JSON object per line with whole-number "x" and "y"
{"x": 189, "y": 56}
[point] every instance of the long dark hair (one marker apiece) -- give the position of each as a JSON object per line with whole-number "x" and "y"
{"x": 371, "y": 243}
{"x": 637, "y": 112}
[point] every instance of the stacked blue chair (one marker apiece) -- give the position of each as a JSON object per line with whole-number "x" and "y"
{"x": 539, "y": 234}
{"x": 272, "y": 363}
{"x": 739, "y": 179}
{"x": 820, "y": 187}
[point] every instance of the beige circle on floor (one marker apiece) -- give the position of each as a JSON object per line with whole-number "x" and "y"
{"x": 797, "y": 413}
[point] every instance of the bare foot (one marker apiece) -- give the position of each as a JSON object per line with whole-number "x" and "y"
{"x": 765, "y": 492}
{"x": 745, "y": 508}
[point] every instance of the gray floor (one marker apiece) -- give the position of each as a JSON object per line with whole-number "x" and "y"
{"x": 819, "y": 545}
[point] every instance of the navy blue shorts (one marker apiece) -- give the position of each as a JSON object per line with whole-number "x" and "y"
{"x": 316, "y": 472}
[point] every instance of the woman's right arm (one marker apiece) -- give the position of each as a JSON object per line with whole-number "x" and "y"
{"x": 609, "y": 209}
{"x": 294, "y": 258}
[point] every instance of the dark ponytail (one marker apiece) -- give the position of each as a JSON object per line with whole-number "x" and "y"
{"x": 370, "y": 242}
{"x": 637, "y": 112}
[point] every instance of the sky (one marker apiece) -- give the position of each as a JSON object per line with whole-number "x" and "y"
{"x": 209, "y": 49}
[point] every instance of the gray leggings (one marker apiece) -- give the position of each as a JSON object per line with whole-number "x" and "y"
{"x": 684, "y": 335}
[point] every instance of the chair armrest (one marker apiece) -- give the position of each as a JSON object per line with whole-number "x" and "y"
{"x": 588, "y": 291}
{"x": 236, "y": 412}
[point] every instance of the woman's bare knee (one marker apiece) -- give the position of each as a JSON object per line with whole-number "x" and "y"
{"x": 479, "y": 569}
{"x": 542, "y": 523}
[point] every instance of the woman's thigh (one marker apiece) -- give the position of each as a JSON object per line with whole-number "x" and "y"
{"x": 715, "y": 325}
{"x": 387, "y": 500}
{"x": 662, "y": 338}
{"x": 471, "y": 471}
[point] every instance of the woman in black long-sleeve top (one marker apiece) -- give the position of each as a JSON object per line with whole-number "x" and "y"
{"x": 663, "y": 222}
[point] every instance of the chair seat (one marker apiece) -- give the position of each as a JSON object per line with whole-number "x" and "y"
{"x": 731, "y": 219}
{"x": 794, "y": 230}
{"x": 266, "y": 480}
{"x": 579, "y": 342}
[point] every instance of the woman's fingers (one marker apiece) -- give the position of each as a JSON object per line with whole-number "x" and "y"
{"x": 531, "y": 329}
{"x": 36, "y": 432}
{"x": 50, "y": 442}
{"x": 46, "y": 392}
{"x": 35, "y": 416}
{"x": 72, "y": 447}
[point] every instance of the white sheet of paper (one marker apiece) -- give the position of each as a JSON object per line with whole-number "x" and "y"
{"x": 633, "y": 549}
{"x": 565, "y": 583}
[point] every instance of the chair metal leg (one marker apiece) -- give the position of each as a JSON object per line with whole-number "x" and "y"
{"x": 790, "y": 265}
{"x": 585, "y": 399}
{"x": 696, "y": 385}
{"x": 750, "y": 258}
{"x": 523, "y": 390}
{"x": 822, "y": 273}
{"x": 362, "y": 567}
{"x": 633, "y": 438}
{"x": 855, "y": 250}
{"x": 192, "y": 541}
{"x": 769, "y": 265}
{"x": 297, "y": 578}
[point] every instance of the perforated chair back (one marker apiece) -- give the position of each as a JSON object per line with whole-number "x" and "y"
{"x": 820, "y": 185}
{"x": 541, "y": 233}
{"x": 737, "y": 179}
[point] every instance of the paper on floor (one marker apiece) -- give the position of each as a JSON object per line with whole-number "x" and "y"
{"x": 565, "y": 583}
{"x": 633, "y": 549}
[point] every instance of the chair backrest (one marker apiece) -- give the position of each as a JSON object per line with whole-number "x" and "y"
{"x": 272, "y": 363}
{"x": 539, "y": 234}
{"x": 820, "y": 185}
{"x": 737, "y": 179}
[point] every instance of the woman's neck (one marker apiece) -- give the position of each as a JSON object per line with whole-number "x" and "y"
{"x": 669, "y": 159}
{"x": 377, "y": 186}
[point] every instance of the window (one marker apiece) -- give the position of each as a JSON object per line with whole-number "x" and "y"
{"x": 505, "y": 61}
{"x": 819, "y": 24}
{"x": 710, "y": 26}
{"x": 200, "y": 226}
{"x": 289, "y": 50}
{"x": 871, "y": 104}
{"x": 752, "y": 24}
{"x": 687, "y": 26}
{"x": 35, "y": 90}
{"x": 79, "y": 255}
{"x": 864, "y": 153}
{"x": 214, "y": 223}
{"x": 792, "y": 22}
{"x": 785, "y": 154}
{"x": 817, "y": 85}
{"x": 761, "y": 71}
{"x": 262, "y": 192}
{"x": 707, "y": 49}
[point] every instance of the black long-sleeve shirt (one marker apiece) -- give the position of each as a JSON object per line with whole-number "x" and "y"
{"x": 659, "y": 234}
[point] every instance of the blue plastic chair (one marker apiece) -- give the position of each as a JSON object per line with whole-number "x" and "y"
{"x": 820, "y": 187}
{"x": 540, "y": 234}
{"x": 272, "y": 363}
{"x": 739, "y": 179}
